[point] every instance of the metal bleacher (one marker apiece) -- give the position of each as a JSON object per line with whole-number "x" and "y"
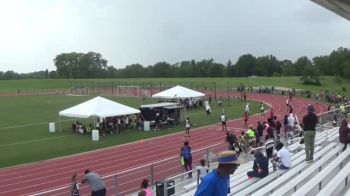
{"x": 326, "y": 149}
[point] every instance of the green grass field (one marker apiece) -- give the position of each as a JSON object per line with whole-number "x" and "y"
{"x": 24, "y": 119}
{"x": 24, "y": 127}
{"x": 328, "y": 83}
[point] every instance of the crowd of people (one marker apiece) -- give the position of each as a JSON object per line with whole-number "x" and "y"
{"x": 264, "y": 138}
{"x": 110, "y": 125}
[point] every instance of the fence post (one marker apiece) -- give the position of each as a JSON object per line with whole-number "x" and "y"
{"x": 116, "y": 185}
{"x": 207, "y": 157}
{"x": 215, "y": 90}
{"x": 152, "y": 174}
{"x": 198, "y": 176}
{"x": 165, "y": 188}
{"x": 228, "y": 94}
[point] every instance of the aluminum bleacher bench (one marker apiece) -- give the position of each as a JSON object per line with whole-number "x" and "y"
{"x": 271, "y": 187}
{"x": 251, "y": 188}
{"x": 313, "y": 186}
{"x": 300, "y": 175}
{"x": 347, "y": 193}
{"x": 242, "y": 177}
{"x": 238, "y": 179}
{"x": 338, "y": 183}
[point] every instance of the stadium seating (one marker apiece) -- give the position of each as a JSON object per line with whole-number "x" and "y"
{"x": 303, "y": 178}
{"x": 338, "y": 183}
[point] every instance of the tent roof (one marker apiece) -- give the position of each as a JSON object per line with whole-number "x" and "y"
{"x": 158, "y": 105}
{"x": 178, "y": 92}
{"x": 100, "y": 107}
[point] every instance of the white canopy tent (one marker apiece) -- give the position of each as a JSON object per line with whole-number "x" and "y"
{"x": 178, "y": 92}
{"x": 97, "y": 107}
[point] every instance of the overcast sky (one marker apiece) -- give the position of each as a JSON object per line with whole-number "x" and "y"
{"x": 33, "y": 32}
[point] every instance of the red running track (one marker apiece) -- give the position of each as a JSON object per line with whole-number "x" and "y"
{"x": 50, "y": 174}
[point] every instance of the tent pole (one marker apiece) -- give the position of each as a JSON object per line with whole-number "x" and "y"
{"x": 94, "y": 122}
{"x": 59, "y": 123}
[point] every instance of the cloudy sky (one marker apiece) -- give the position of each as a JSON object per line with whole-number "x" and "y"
{"x": 33, "y": 32}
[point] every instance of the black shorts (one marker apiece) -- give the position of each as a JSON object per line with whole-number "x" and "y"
{"x": 101, "y": 192}
{"x": 223, "y": 122}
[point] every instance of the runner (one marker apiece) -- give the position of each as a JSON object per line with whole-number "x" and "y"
{"x": 187, "y": 127}
{"x": 262, "y": 109}
{"x": 245, "y": 119}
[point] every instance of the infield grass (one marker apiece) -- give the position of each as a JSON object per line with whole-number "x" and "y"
{"x": 24, "y": 127}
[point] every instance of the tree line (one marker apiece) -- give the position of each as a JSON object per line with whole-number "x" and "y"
{"x": 92, "y": 65}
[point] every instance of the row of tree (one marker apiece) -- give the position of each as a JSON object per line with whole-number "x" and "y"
{"x": 92, "y": 65}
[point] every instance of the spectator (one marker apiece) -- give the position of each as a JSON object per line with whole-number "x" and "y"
{"x": 202, "y": 169}
{"x": 75, "y": 186}
{"x": 283, "y": 156}
{"x": 342, "y": 109}
{"x": 245, "y": 119}
{"x": 145, "y": 187}
{"x": 291, "y": 123}
{"x": 278, "y": 126}
{"x": 251, "y": 135}
{"x": 187, "y": 127}
{"x": 309, "y": 125}
{"x": 270, "y": 130}
{"x": 98, "y": 187}
{"x": 231, "y": 139}
{"x": 233, "y": 143}
{"x": 272, "y": 113}
{"x": 187, "y": 157}
{"x": 208, "y": 110}
{"x": 260, "y": 129}
{"x": 344, "y": 133}
{"x": 223, "y": 122}
{"x": 216, "y": 182}
{"x": 142, "y": 193}
{"x": 243, "y": 142}
{"x": 260, "y": 167}
{"x": 157, "y": 122}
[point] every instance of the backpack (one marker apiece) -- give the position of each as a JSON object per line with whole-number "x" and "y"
{"x": 186, "y": 153}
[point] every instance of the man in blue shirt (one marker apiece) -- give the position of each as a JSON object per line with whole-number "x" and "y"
{"x": 216, "y": 182}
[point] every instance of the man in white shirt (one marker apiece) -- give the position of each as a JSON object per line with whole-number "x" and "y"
{"x": 223, "y": 122}
{"x": 283, "y": 156}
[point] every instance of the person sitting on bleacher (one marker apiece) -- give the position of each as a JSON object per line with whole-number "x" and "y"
{"x": 260, "y": 167}
{"x": 283, "y": 157}
{"x": 344, "y": 133}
